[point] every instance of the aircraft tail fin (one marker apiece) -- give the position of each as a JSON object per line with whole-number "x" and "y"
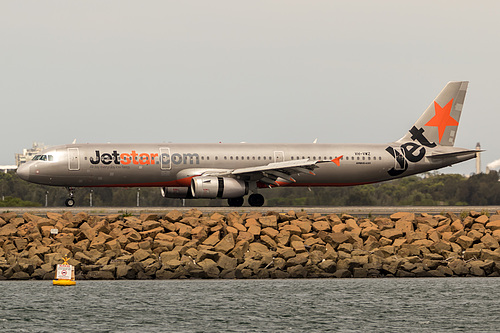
{"x": 439, "y": 123}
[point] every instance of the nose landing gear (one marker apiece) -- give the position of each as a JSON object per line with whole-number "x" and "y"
{"x": 70, "y": 202}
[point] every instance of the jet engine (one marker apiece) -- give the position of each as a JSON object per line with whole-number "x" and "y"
{"x": 218, "y": 187}
{"x": 176, "y": 192}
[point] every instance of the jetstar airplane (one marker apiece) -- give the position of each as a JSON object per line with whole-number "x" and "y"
{"x": 232, "y": 171}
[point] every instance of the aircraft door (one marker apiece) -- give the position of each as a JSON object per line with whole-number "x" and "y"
{"x": 165, "y": 161}
{"x": 279, "y": 156}
{"x": 73, "y": 159}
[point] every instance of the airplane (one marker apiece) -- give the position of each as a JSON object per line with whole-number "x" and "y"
{"x": 233, "y": 171}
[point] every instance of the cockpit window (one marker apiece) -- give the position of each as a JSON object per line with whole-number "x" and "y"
{"x": 43, "y": 158}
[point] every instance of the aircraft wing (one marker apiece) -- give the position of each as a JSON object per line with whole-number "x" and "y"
{"x": 270, "y": 173}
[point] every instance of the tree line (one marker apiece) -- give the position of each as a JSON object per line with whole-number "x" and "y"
{"x": 430, "y": 189}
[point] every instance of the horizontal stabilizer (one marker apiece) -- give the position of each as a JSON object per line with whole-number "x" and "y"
{"x": 453, "y": 154}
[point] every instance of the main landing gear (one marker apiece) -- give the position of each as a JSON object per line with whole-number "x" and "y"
{"x": 235, "y": 202}
{"x": 70, "y": 202}
{"x": 254, "y": 200}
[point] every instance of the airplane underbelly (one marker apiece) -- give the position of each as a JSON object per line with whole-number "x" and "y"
{"x": 346, "y": 175}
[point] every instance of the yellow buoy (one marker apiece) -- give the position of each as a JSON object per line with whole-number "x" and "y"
{"x": 65, "y": 274}
{"x": 63, "y": 282}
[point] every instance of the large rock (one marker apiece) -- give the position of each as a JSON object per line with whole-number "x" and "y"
{"x": 286, "y": 252}
{"x": 125, "y": 272}
{"x": 494, "y": 225}
{"x": 392, "y": 233}
{"x": 490, "y": 255}
{"x": 227, "y": 263}
{"x": 401, "y": 215}
{"x": 465, "y": 242}
{"x": 458, "y": 267}
{"x": 268, "y": 241}
{"x": 226, "y": 244}
{"x": 100, "y": 275}
{"x": 269, "y": 221}
{"x": 173, "y": 216}
{"x": 8, "y": 230}
{"x": 240, "y": 249}
{"x": 404, "y": 225}
{"x": 212, "y": 239}
{"x": 489, "y": 241}
{"x": 140, "y": 255}
{"x": 210, "y": 268}
{"x": 481, "y": 219}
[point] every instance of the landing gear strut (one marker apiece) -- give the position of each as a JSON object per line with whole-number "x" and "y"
{"x": 256, "y": 200}
{"x": 235, "y": 202}
{"x": 70, "y": 202}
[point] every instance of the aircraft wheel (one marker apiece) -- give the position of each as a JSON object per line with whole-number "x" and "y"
{"x": 70, "y": 202}
{"x": 235, "y": 202}
{"x": 256, "y": 200}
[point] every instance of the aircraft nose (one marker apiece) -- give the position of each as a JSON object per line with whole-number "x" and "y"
{"x": 23, "y": 171}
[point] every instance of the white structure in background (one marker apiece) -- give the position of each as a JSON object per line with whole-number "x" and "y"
{"x": 493, "y": 165}
{"x": 478, "y": 159}
{"x": 7, "y": 168}
{"x": 28, "y": 154}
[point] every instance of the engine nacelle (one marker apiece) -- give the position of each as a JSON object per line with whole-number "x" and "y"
{"x": 176, "y": 192}
{"x": 218, "y": 187}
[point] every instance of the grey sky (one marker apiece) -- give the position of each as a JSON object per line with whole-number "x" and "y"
{"x": 231, "y": 71}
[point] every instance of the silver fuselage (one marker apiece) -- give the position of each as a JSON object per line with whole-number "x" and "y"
{"x": 173, "y": 165}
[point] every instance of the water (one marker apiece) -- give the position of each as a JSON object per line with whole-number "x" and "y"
{"x": 301, "y": 305}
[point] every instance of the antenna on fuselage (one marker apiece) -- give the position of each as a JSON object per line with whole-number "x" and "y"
{"x": 74, "y": 141}
{"x": 315, "y": 140}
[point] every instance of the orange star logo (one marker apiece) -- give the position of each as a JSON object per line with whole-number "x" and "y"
{"x": 442, "y": 118}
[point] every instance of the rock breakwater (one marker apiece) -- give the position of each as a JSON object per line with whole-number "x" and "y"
{"x": 249, "y": 245}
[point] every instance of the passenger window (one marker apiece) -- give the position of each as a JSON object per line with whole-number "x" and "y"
{"x": 264, "y": 157}
{"x": 236, "y": 157}
{"x": 258, "y": 158}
